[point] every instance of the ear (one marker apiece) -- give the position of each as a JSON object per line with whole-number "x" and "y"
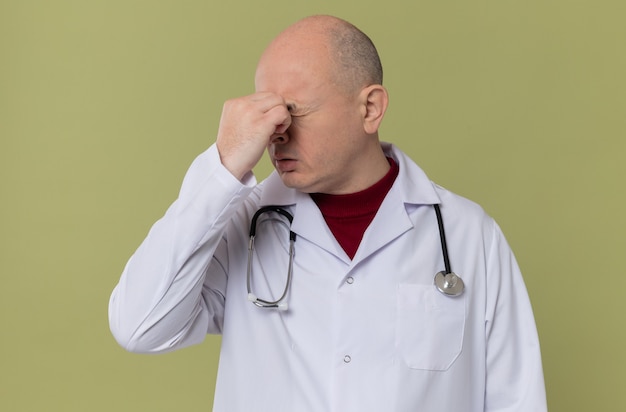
{"x": 374, "y": 101}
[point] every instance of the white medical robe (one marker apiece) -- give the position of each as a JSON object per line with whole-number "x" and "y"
{"x": 371, "y": 334}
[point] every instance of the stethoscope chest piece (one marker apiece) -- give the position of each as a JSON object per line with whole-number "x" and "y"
{"x": 449, "y": 283}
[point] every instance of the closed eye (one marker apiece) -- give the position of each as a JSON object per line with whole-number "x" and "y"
{"x": 294, "y": 111}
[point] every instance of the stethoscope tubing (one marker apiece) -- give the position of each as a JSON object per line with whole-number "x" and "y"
{"x": 447, "y": 282}
{"x": 442, "y": 236}
{"x": 262, "y": 303}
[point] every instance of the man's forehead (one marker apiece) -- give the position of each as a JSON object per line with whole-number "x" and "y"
{"x": 291, "y": 71}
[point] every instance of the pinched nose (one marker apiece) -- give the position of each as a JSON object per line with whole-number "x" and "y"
{"x": 279, "y": 138}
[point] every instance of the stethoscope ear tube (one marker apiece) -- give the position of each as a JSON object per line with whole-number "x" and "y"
{"x": 272, "y": 208}
{"x": 280, "y": 303}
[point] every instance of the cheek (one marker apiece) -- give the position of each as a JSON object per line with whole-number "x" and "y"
{"x": 324, "y": 139}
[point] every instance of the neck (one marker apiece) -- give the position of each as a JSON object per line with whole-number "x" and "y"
{"x": 369, "y": 168}
{"x": 349, "y": 215}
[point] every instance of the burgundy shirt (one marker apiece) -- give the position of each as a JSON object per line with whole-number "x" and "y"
{"x": 349, "y": 215}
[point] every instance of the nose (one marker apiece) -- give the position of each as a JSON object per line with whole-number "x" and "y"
{"x": 279, "y": 138}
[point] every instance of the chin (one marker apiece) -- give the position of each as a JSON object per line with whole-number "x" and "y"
{"x": 293, "y": 182}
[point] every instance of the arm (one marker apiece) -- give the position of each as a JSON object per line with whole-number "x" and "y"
{"x": 514, "y": 381}
{"x": 172, "y": 290}
{"x": 164, "y": 299}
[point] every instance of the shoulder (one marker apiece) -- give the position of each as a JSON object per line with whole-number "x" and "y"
{"x": 418, "y": 189}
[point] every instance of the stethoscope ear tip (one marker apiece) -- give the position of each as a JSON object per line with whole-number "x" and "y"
{"x": 263, "y": 304}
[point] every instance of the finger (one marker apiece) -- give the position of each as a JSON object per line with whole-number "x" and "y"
{"x": 280, "y": 118}
{"x": 266, "y": 101}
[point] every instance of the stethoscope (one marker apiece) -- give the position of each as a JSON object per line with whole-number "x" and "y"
{"x": 446, "y": 281}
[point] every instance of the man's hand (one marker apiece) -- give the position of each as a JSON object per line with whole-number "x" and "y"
{"x": 246, "y": 127}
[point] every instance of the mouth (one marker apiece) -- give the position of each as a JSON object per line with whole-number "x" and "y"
{"x": 284, "y": 164}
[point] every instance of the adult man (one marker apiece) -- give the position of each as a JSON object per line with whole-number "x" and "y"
{"x": 364, "y": 328}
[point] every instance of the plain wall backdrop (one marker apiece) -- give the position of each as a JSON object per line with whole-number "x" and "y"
{"x": 517, "y": 105}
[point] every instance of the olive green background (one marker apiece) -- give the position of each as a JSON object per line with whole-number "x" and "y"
{"x": 518, "y": 105}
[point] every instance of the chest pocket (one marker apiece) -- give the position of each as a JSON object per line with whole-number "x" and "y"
{"x": 429, "y": 327}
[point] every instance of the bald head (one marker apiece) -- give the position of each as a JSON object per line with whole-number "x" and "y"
{"x": 347, "y": 53}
